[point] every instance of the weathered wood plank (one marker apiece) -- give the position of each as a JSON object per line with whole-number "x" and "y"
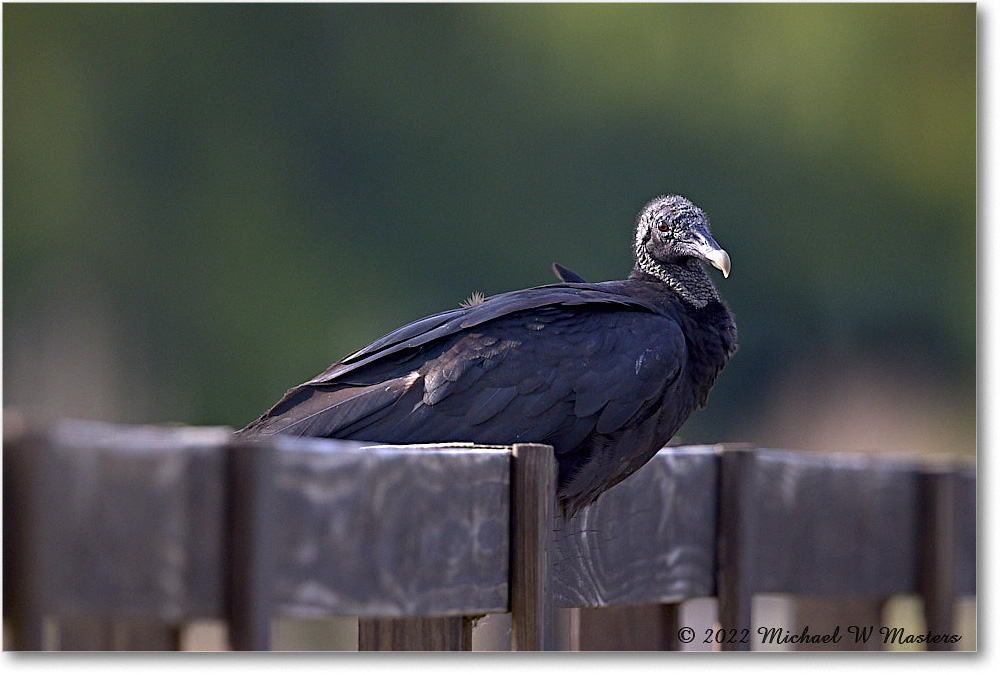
{"x": 436, "y": 634}
{"x": 136, "y": 635}
{"x": 24, "y": 507}
{"x": 130, "y": 521}
{"x": 825, "y": 614}
{"x": 131, "y": 635}
{"x": 250, "y": 545}
{"x": 832, "y": 524}
{"x": 108, "y": 521}
{"x": 649, "y": 539}
{"x": 390, "y": 531}
{"x": 947, "y": 546}
{"x": 629, "y": 628}
{"x": 792, "y": 522}
{"x": 736, "y": 529}
{"x": 842, "y": 524}
{"x": 85, "y": 634}
{"x": 965, "y": 530}
{"x": 566, "y": 629}
{"x": 532, "y": 499}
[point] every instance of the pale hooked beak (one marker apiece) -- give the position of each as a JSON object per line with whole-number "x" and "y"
{"x": 714, "y": 255}
{"x": 720, "y": 260}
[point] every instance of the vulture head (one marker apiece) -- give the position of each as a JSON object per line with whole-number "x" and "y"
{"x": 671, "y": 237}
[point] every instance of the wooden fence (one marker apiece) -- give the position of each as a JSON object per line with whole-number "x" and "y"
{"x": 120, "y": 535}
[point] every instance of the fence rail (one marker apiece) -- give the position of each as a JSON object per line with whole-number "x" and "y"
{"x": 152, "y": 527}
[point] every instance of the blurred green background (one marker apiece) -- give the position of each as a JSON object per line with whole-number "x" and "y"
{"x": 204, "y": 205}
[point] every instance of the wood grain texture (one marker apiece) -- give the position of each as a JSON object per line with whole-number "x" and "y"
{"x": 128, "y": 524}
{"x": 532, "y": 498}
{"x": 830, "y": 524}
{"x": 131, "y": 520}
{"x": 390, "y": 531}
{"x": 649, "y": 539}
{"x": 435, "y": 634}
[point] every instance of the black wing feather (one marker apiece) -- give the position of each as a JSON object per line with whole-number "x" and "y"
{"x": 450, "y": 322}
{"x": 568, "y": 365}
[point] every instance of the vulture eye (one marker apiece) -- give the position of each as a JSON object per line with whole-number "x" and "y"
{"x": 663, "y": 227}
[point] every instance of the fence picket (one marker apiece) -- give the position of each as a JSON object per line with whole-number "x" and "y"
{"x": 115, "y": 535}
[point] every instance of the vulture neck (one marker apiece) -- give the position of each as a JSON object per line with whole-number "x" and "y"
{"x": 687, "y": 279}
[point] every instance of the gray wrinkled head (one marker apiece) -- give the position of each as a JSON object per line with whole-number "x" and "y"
{"x": 670, "y": 230}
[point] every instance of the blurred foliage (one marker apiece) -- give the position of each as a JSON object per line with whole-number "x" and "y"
{"x": 245, "y": 193}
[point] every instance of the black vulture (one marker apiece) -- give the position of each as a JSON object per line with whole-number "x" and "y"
{"x": 605, "y": 372}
